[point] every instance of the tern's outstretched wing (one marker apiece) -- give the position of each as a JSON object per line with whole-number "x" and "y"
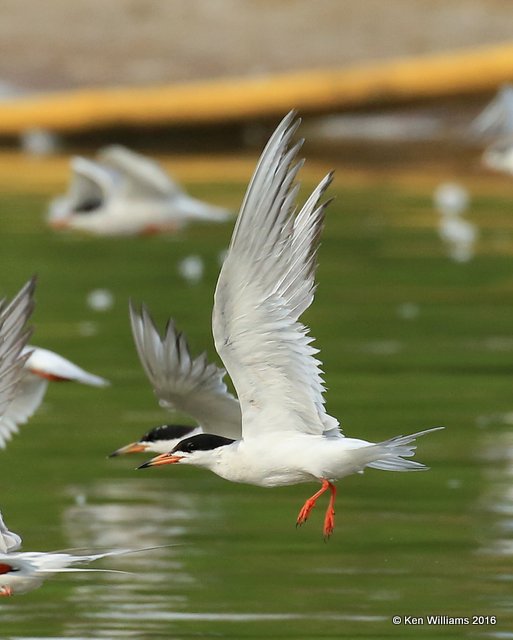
{"x": 29, "y": 395}
{"x": 181, "y": 382}
{"x": 13, "y": 338}
{"x": 266, "y": 283}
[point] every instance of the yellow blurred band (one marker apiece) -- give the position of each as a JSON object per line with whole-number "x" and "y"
{"x": 238, "y": 99}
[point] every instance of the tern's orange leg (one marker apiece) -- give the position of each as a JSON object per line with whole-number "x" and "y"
{"x": 310, "y": 503}
{"x": 329, "y": 518}
{"x": 6, "y": 591}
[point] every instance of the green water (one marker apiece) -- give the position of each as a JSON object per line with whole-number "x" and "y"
{"x": 435, "y": 543}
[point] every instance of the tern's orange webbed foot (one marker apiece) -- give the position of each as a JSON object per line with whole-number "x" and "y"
{"x": 6, "y": 592}
{"x": 329, "y": 518}
{"x": 305, "y": 512}
{"x": 329, "y": 523}
{"x": 310, "y": 503}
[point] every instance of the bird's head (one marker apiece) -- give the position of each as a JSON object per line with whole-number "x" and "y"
{"x": 160, "y": 439}
{"x": 197, "y": 450}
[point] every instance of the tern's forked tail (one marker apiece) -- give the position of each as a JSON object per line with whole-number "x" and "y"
{"x": 395, "y": 450}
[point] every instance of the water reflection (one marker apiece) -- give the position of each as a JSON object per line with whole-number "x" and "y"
{"x": 497, "y": 499}
{"x": 129, "y": 514}
{"x": 238, "y": 617}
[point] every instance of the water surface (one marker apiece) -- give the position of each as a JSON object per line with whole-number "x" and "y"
{"x": 230, "y": 562}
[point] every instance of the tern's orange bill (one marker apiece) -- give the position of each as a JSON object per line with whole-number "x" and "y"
{"x": 163, "y": 458}
{"x": 133, "y": 447}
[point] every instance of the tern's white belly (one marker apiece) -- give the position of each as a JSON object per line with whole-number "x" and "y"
{"x": 293, "y": 460}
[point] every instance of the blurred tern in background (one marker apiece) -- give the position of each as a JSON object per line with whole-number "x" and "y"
{"x": 21, "y": 572}
{"x": 181, "y": 383}
{"x": 125, "y": 193}
{"x": 40, "y": 367}
{"x": 496, "y": 119}
{"x": 499, "y": 155}
{"x": 266, "y": 283}
{"x": 459, "y": 235}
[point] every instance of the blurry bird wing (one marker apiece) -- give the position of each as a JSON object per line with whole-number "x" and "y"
{"x": 29, "y": 396}
{"x": 141, "y": 176}
{"x": 89, "y": 182}
{"x": 9, "y": 541}
{"x": 13, "y": 338}
{"x": 183, "y": 383}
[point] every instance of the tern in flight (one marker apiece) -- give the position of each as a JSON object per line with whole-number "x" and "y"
{"x": 265, "y": 284}
{"x": 36, "y": 366}
{"x": 23, "y": 571}
{"x": 126, "y": 193}
{"x": 193, "y": 386}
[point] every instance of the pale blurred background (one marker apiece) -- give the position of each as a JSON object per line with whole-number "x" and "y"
{"x": 60, "y": 44}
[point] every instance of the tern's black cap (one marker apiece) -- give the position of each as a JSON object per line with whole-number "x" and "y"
{"x": 167, "y": 432}
{"x": 202, "y": 442}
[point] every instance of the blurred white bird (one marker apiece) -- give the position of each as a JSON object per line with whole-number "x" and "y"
{"x": 39, "y": 142}
{"x": 125, "y": 193}
{"x": 499, "y": 155}
{"x": 265, "y": 284}
{"x": 25, "y": 571}
{"x": 40, "y": 367}
{"x": 459, "y": 235}
{"x": 496, "y": 119}
{"x": 21, "y": 572}
{"x": 181, "y": 383}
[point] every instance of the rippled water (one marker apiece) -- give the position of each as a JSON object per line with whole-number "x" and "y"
{"x": 228, "y": 561}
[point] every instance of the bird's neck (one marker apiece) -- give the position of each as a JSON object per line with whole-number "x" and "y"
{"x": 225, "y": 461}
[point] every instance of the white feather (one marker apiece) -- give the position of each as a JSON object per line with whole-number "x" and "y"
{"x": 13, "y": 340}
{"x": 183, "y": 383}
{"x": 266, "y": 282}
{"x": 9, "y": 541}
